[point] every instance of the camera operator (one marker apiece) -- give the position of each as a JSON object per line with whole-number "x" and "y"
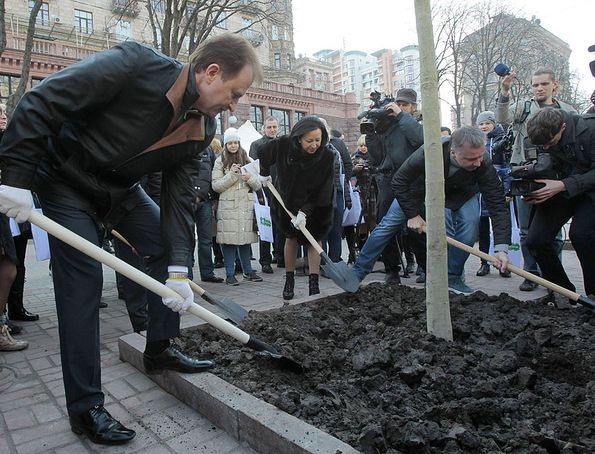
{"x": 570, "y": 140}
{"x": 395, "y": 137}
{"x": 543, "y": 87}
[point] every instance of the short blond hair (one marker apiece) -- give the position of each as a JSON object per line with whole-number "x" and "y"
{"x": 362, "y": 140}
{"x": 216, "y": 145}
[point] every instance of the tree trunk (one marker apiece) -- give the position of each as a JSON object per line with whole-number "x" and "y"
{"x": 2, "y": 27}
{"x": 437, "y": 304}
{"x": 20, "y": 91}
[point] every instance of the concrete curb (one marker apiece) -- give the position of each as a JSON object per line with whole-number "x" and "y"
{"x": 265, "y": 428}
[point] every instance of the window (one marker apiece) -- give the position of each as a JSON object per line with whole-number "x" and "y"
{"x": 219, "y": 123}
{"x": 8, "y": 85}
{"x": 297, "y": 116}
{"x": 83, "y": 21}
{"x": 124, "y": 28}
{"x": 283, "y": 117}
{"x": 257, "y": 117}
{"x": 274, "y": 32}
{"x": 43, "y": 16}
{"x": 289, "y": 62}
{"x": 285, "y": 34}
{"x": 277, "y": 60}
{"x": 222, "y": 20}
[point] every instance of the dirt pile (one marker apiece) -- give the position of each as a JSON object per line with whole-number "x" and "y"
{"x": 519, "y": 377}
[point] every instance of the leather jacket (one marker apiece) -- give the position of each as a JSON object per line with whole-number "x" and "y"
{"x": 86, "y": 135}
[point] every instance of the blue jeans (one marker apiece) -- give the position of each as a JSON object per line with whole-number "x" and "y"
{"x": 229, "y": 258}
{"x": 391, "y": 224}
{"x": 462, "y": 225}
{"x": 204, "y": 219}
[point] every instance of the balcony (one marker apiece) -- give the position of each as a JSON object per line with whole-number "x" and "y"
{"x": 129, "y": 8}
{"x": 255, "y": 38}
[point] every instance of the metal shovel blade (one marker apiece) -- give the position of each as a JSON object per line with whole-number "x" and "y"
{"x": 283, "y": 361}
{"x": 340, "y": 273}
{"x": 236, "y": 312}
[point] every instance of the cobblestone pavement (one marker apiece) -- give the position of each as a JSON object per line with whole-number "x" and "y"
{"x": 32, "y": 404}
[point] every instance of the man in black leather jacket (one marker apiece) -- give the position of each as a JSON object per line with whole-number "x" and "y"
{"x": 570, "y": 140}
{"x": 82, "y": 139}
{"x": 396, "y": 137}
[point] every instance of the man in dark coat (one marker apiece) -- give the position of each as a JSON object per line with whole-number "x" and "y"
{"x": 269, "y": 131}
{"x": 466, "y": 171}
{"x": 82, "y": 139}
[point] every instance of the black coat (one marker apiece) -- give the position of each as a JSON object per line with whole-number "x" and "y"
{"x": 409, "y": 187}
{"x": 86, "y": 135}
{"x": 304, "y": 181}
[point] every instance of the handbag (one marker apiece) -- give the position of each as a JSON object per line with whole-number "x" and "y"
{"x": 352, "y": 215}
{"x": 264, "y": 222}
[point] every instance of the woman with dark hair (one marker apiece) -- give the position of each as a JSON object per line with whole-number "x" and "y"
{"x": 305, "y": 182}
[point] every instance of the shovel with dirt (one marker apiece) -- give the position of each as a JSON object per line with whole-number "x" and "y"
{"x": 337, "y": 271}
{"x": 93, "y": 251}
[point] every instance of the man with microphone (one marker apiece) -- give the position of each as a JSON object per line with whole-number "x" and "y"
{"x": 543, "y": 86}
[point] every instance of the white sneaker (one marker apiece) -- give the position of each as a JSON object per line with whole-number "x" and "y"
{"x": 7, "y": 343}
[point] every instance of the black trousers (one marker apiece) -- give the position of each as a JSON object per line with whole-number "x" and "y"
{"x": 15, "y": 297}
{"x": 548, "y": 219}
{"x": 78, "y": 282}
{"x": 484, "y": 236}
{"x": 390, "y": 254}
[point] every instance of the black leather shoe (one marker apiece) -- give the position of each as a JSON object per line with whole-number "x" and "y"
{"x": 267, "y": 269}
{"x": 392, "y": 278}
{"x": 173, "y": 359}
{"x": 483, "y": 270}
{"x": 23, "y": 315}
{"x": 100, "y": 427}
{"x": 215, "y": 279}
{"x": 14, "y": 329}
{"x": 527, "y": 286}
{"x": 102, "y": 305}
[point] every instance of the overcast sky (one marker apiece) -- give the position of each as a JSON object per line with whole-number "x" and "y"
{"x": 370, "y": 25}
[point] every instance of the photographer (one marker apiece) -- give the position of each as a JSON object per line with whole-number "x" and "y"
{"x": 543, "y": 87}
{"x": 396, "y": 135}
{"x": 570, "y": 141}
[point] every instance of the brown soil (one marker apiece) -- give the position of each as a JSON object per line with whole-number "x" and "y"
{"x": 518, "y": 377}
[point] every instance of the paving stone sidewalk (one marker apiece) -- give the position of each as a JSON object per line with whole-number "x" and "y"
{"x": 32, "y": 404}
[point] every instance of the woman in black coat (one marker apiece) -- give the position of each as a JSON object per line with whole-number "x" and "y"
{"x": 305, "y": 182}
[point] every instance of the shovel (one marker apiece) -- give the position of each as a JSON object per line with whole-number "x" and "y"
{"x": 236, "y": 313}
{"x": 338, "y": 272}
{"x": 93, "y": 251}
{"x": 585, "y": 301}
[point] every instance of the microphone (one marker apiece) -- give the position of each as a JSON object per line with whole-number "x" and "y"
{"x": 502, "y": 69}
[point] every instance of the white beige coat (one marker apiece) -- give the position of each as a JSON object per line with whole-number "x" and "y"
{"x": 235, "y": 215}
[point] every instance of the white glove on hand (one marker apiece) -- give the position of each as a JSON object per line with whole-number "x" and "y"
{"x": 16, "y": 202}
{"x": 300, "y": 220}
{"x": 264, "y": 180}
{"x": 181, "y": 287}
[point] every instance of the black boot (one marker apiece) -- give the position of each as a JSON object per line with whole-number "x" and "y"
{"x": 15, "y": 308}
{"x": 483, "y": 269}
{"x": 289, "y": 285}
{"x": 313, "y": 284}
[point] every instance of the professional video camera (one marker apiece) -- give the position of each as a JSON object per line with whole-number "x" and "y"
{"x": 375, "y": 112}
{"x": 524, "y": 176}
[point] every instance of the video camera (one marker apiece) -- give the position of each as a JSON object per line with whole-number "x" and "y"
{"x": 375, "y": 112}
{"x": 524, "y": 176}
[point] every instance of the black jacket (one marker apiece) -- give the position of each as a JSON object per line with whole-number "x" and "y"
{"x": 345, "y": 156}
{"x": 391, "y": 148}
{"x": 305, "y": 182}
{"x": 409, "y": 187}
{"x": 204, "y": 189}
{"x": 87, "y": 134}
{"x": 255, "y": 147}
{"x": 576, "y": 155}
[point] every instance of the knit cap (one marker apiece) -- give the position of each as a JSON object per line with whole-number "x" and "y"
{"x": 487, "y": 115}
{"x": 230, "y": 135}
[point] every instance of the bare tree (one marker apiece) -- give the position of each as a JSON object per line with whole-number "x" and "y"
{"x": 437, "y": 304}
{"x": 20, "y": 90}
{"x": 175, "y": 22}
{"x": 2, "y": 27}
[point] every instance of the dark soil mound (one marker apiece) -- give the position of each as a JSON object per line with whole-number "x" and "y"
{"x": 519, "y": 377}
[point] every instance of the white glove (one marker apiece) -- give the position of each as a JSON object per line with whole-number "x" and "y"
{"x": 300, "y": 220}
{"x": 181, "y": 287}
{"x": 264, "y": 180}
{"x": 16, "y": 202}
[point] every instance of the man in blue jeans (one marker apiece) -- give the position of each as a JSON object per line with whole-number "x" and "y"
{"x": 467, "y": 170}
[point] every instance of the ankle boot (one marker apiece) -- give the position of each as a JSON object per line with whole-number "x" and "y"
{"x": 289, "y": 284}
{"x": 313, "y": 284}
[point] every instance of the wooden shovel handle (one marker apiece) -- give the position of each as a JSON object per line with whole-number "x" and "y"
{"x": 95, "y": 252}
{"x": 516, "y": 270}
{"x": 303, "y": 229}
